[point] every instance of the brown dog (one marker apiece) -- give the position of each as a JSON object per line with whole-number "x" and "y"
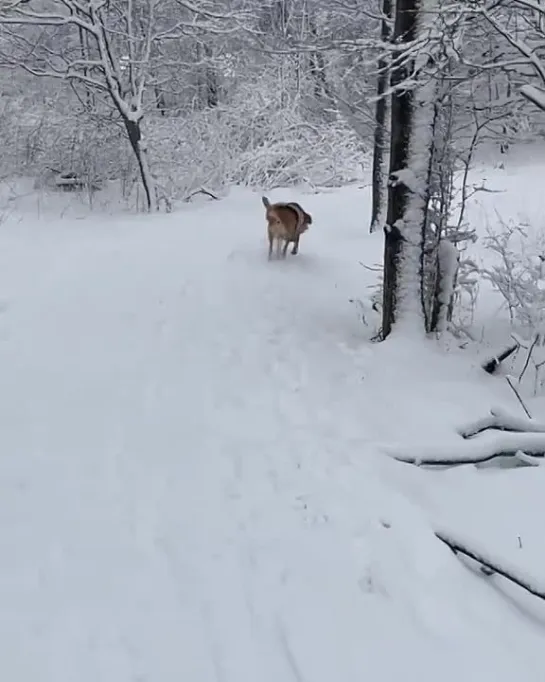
{"x": 286, "y": 222}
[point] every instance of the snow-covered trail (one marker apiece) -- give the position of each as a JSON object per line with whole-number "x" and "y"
{"x": 188, "y": 489}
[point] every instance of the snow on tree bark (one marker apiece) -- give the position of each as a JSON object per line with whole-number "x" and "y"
{"x": 411, "y": 148}
{"x": 380, "y": 134}
{"x": 448, "y": 267}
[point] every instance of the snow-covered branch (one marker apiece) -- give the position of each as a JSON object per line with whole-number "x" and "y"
{"x": 535, "y": 95}
{"x": 527, "y": 580}
{"x": 489, "y": 446}
{"x": 501, "y": 420}
{"x": 501, "y": 434}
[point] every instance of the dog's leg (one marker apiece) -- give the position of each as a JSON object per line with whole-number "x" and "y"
{"x": 295, "y": 249}
{"x": 271, "y": 242}
{"x": 285, "y": 249}
{"x": 278, "y": 247}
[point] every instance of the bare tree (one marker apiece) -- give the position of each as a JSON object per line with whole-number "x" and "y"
{"x": 109, "y": 48}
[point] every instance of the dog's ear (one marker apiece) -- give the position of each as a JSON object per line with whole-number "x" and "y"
{"x": 266, "y": 202}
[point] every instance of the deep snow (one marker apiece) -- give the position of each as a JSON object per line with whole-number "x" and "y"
{"x": 191, "y": 480}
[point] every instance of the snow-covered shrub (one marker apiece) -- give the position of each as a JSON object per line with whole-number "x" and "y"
{"x": 42, "y": 140}
{"x": 519, "y": 276}
{"x": 251, "y": 140}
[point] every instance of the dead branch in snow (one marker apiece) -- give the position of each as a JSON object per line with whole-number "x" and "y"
{"x": 491, "y": 565}
{"x": 491, "y": 365}
{"x": 201, "y": 191}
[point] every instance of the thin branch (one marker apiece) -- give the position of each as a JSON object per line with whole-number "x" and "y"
{"x": 517, "y": 394}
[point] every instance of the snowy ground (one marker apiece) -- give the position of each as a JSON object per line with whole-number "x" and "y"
{"x": 191, "y": 478}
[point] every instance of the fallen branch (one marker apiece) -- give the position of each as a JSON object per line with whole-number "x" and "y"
{"x": 489, "y": 446}
{"x": 534, "y": 95}
{"x": 201, "y": 191}
{"x": 502, "y": 421}
{"x": 490, "y": 366}
{"x": 511, "y": 573}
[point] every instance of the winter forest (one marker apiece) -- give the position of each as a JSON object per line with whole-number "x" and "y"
{"x": 220, "y": 468}
{"x": 162, "y": 98}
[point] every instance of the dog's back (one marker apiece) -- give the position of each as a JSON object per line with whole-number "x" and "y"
{"x": 286, "y": 222}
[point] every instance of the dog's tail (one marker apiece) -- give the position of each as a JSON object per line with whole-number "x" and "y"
{"x": 266, "y": 202}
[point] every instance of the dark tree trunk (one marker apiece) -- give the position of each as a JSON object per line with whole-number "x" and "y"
{"x": 212, "y": 94}
{"x": 208, "y": 85}
{"x": 317, "y": 70}
{"x": 160, "y": 101}
{"x": 401, "y": 125}
{"x": 135, "y": 135}
{"x": 211, "y": 79}
{"x": 317, "y": 64}
{"x": 381, "y": 111}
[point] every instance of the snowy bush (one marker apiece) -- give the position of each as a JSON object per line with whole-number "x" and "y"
{"x": 41, "y": 140}
{"x": 519, "y": 276}
{"x": 251, "y": 141}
